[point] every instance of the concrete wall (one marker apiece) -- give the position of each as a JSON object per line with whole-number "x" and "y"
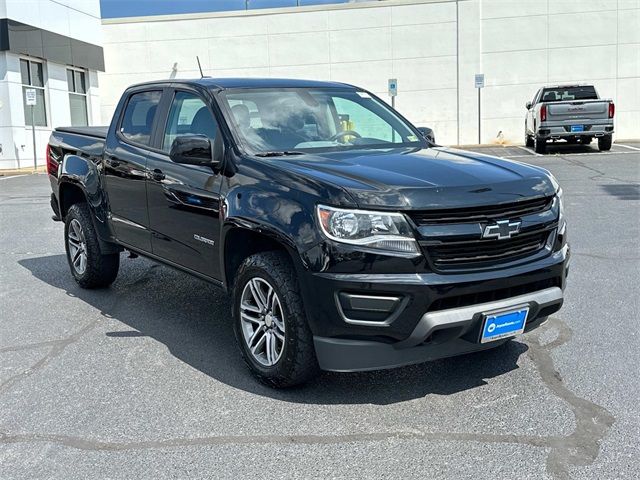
{"x": 433, "y": 48}
{"x": 79, "y": 19}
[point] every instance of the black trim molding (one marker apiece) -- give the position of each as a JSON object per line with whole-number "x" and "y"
{"x": 23, "y": 39}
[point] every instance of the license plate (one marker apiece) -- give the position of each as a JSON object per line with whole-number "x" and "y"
{"x": 577, "y": 128}
{"x": 504, "y": 324}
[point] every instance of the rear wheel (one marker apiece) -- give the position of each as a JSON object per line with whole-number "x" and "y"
{"x": 269, "y": 321}
{"x": 604, "y": 143}
{"x": 528, "y": 141}
{"x": 540, "y": 145}
{"x": 90, "y": 268}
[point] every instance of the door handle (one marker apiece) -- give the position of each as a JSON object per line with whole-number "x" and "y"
{"x": 157, "y": 175}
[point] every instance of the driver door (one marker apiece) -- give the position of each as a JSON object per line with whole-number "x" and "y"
{"x": 184, "y": 200}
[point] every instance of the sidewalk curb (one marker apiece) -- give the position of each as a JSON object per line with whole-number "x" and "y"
{"x": 22, "y": 171}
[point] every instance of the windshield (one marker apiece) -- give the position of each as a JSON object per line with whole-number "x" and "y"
{"x": 562, "y": 94}
{"x": 289, "y": 120}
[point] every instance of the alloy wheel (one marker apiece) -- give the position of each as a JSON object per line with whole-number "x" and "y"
{"x": 262, "y": 321}
{"x": 77, "y": 247}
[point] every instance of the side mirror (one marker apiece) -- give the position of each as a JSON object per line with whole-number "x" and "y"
{"x": 528, "y": 105}
{"x": 197, "y": 150}
{"x": 427, "y": 133}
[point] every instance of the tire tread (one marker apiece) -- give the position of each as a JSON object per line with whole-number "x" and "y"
{"x": 300, "y": 363}
{"x": 102, "y": 270}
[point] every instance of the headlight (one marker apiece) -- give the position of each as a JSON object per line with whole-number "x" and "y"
{"x": 388, "y": 233}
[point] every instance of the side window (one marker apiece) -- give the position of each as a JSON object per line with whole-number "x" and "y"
{"x": 354, "y": 116}
{"x": 137, "y": 120}
{"x": 188, "y": 116}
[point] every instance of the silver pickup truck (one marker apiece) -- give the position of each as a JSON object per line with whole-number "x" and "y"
{"x": 574, "y": 113}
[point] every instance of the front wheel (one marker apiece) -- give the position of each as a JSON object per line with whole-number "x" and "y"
{"x": 90, "y": 268}
{"x": 269, "y": 321}
{"x": 604, "y": 143}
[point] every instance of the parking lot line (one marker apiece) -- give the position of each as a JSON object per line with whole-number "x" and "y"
{"x": 528, "y": 150}
{"x": 12, "y": 176}
{"x": 627, "y": 146}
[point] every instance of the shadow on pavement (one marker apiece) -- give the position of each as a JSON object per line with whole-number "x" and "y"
{"x": 565, "y": 148}
{"x": 624, "y": 191}
{"x": 192, "y": 318}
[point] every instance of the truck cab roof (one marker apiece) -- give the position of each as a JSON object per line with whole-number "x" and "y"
{"x": 228, "y": 83}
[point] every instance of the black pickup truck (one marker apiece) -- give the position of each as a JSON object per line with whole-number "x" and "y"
{"x": 348, "y": 240}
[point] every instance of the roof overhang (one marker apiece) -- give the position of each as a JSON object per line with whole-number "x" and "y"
{"x": 23, "y": 39}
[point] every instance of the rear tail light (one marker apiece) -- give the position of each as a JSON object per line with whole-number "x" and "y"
{"x": 612, "y": 109}
{"x": 543, "y": 113}
{"x": 52, "y": 165}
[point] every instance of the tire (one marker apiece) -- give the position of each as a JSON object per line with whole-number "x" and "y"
{"x": 281, "y": 321}
{"x": 539, "y": 145}
{"x": 585, "y": 140}
{"x": 528, "y": 141}
{"x": 89, "y": 267}
{"x": 604, "y": 143}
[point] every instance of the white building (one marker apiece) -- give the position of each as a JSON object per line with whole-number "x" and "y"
{"x": 433, "y": 48}
{"x": 54, "y": 47}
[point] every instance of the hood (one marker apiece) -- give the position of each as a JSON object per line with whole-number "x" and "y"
{"x": 422, "y": 178}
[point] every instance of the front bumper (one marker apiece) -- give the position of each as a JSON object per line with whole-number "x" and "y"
{"x": 413, "y": 318}
{"x": 456, "y": 326}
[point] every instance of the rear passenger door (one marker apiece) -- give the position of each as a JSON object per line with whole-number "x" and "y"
{"x": 125, "y": 162}
{"x": 184, "y": 200}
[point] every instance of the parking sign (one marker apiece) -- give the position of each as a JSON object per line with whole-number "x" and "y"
{"x": 479, "y": 80}
{"x": 30, "y": 94}
{"x": 393, "y": 87}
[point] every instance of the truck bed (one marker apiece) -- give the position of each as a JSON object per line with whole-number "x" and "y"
{"x": 96, "y": 132}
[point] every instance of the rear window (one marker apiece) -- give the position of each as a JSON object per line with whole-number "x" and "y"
{"x": 138, "y": 116}
{"x": 568, "y": 93}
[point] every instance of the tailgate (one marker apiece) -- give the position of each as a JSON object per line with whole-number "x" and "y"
{"x": 579, "y": 109}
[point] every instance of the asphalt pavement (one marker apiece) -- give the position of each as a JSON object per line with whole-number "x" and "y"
{"x": 143, "y": 380}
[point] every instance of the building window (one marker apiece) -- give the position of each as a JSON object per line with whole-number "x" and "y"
{"x": 33, "y": 77}
{"x": 77, "y": 97}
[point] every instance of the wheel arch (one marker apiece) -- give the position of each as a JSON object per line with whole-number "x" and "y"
{"x": 240, "y": 242}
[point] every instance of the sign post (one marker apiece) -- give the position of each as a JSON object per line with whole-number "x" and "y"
{"x": 479, "y": 83}
{"x": 393, "y": 91}
{"x": 31, "y": 101}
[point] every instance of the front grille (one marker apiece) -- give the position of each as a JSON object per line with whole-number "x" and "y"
{"x": 479, "y": 253}
{"x": 482, "y": 213}
{"x": 456, "y": 248}
{"x": 459, "y": 301}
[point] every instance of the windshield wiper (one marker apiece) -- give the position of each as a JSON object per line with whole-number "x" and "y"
{"x": 282, "y": 153}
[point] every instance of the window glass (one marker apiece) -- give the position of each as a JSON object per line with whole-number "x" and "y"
{"x": 355, "y": 116}
{"x": 34, "y": 114}
{"x": 24, "y": 72}
{"x": 562, "y": 94}
{"x": 37, "y": 78}
{"x": 311, "y": 119}
{"x": 70, "y": 81}
{"x": 78, "y": 105}
{"x": 79, "y": 82}
{"x": 137, "y": 120}
{"x": 188, "y": 116}
{"x": 31, "y": 74}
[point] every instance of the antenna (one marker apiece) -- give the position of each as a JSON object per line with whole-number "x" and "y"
{"x": 199, "y": 66}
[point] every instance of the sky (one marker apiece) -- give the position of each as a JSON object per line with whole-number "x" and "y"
{"x": 135, "y": 8}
